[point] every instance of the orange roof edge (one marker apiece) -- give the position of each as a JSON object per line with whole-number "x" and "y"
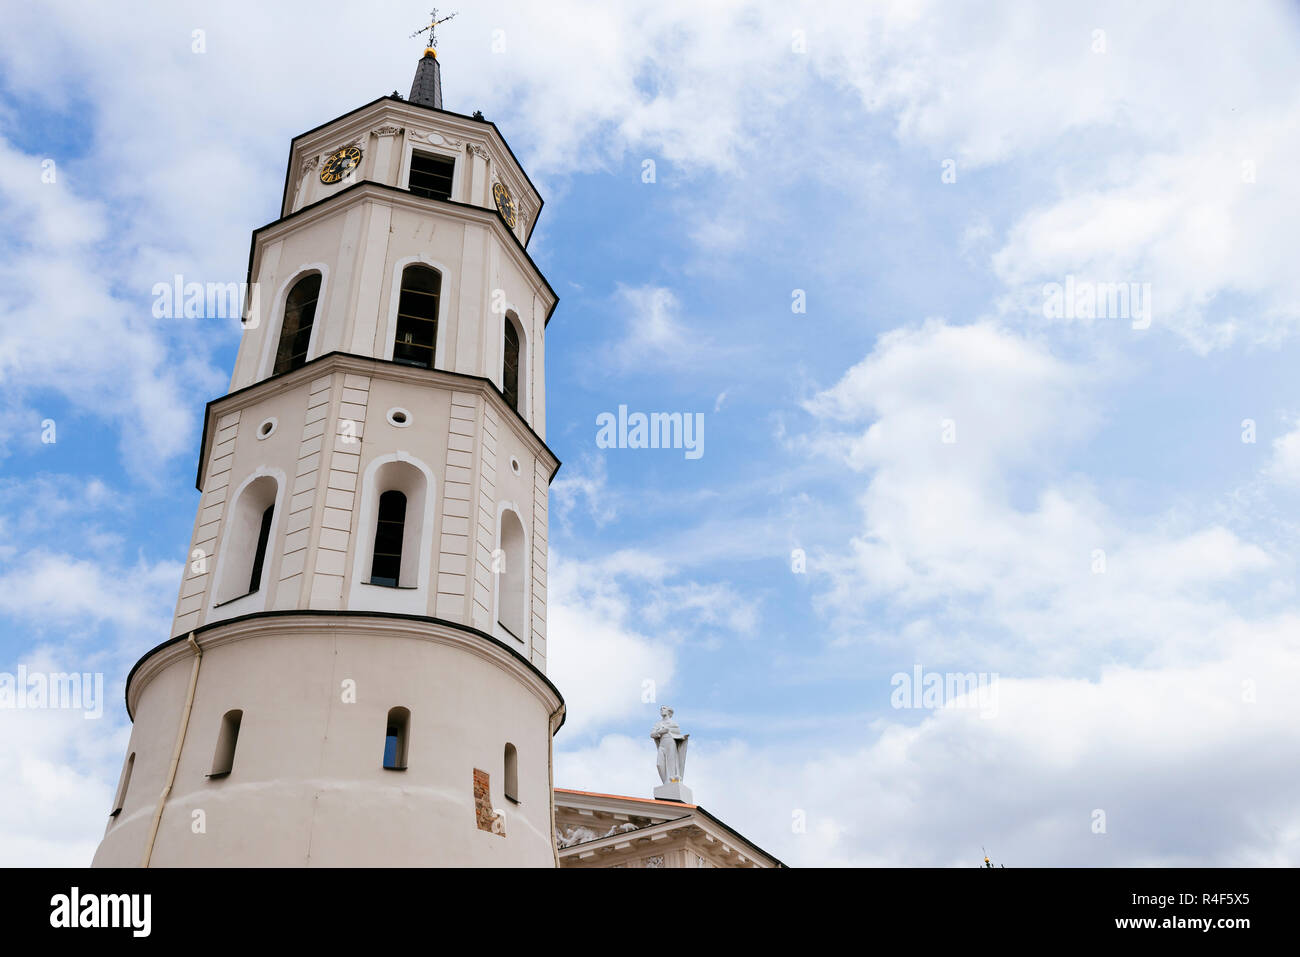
{"x": 625, "y": 797}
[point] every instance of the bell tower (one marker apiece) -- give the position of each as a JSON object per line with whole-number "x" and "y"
{"x": 356, "y": 673}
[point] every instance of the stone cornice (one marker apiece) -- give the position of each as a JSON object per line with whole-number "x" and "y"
{"x": 370, "y": 191}
{"x": 382, "y": 368}
{"x": 652, "y": 832}
{"x": 360, "y": 623}
{"x": 622, "y": 804}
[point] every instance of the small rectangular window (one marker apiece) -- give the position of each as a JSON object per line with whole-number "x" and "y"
{"x": 512, "y": 773}
{"x": 510, "y": 366}
{"x": 395, "y": 738}
{"x": 223, "y": 759}
{"x": 431, "y": 175}
{"x": 122, "y": 785}
{"x": 390, "y": 527}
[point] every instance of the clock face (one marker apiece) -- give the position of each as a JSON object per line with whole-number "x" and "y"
{"x": 505, "y": 205}
{"x": 340, "y": 164}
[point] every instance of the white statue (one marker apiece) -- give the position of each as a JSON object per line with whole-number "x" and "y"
{"x": 671, "y": 757}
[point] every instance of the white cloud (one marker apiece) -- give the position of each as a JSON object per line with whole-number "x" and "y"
{"x": 652, "y": 328}
{"x": 586, "y": 482}
{"x": 1186, "y": 224}
{"x": 59, "y": 590}
{"x": 55, "y": 330}
{"x": 691, "y": 611}
{"x": 1005, "y": 397}
{"x": 985, "y": 549}
{"x": 603, "y": 658}
{"x": 1284, "y": 467}
{"x": 57, "y": 771}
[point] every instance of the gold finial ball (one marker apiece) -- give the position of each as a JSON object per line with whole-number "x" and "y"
{"x": 430, "y": 51}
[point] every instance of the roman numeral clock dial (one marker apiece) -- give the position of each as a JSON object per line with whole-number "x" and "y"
{"x": 505, "y": 203}
{"x": 340, "y": 163}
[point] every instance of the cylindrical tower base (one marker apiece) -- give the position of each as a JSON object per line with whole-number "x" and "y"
{"x": 317, "y": 705}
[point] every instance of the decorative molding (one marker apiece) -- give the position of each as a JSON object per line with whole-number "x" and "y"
{"x": 580, "y": 834}
{"x": 569, "y": 836}
{"x": 344, "y": 625}
{"x": 478, "y": 151}
{"x": 386, "y": 370}
{"x": 307, "y": 166}
{"x": 388, "y": 131}
{"x": 439, "y": 139}
{"x": 453, "y": 129}
{"x": 365, "y": 191}
{"x": 359, "y": 141}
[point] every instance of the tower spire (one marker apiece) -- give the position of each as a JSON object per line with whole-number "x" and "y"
{"x": 426, "y": 88}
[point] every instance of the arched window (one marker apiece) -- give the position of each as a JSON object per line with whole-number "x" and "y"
{"x": 510, "y": 365}
{"x": 398, "y": 517}
{"x": 512, "y": 773}
{"x": 395, "y": 739}
{"x": 512, "y": 578}
{"x": 295, "y": 330}
{"x": 123, "y": 783}
{"x": 386, "y": 563}
{"x": 223, "y": 759}
{"x": 246, "y": 540}
{"x": 417, "y": 316}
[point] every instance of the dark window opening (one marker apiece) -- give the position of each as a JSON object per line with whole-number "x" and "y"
{"x": 223, "y": 759}
{"x": 510, "y": 366}
{"x": 395, "y": 739}
{"x": 431, "y": 175}
{"x": 512, "y": 773}
{"x": 390, "y": 527}
{"x": 123, "y": 784}
{"x": 259, "y": 557}
{"x": 295, "y": 331}
{"x": 417, "y": 316}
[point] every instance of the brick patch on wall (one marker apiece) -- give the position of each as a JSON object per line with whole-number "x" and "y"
{"x": 484, "y": 814}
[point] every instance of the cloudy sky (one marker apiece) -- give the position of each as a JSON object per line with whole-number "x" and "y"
{"x": 859, "y": 220}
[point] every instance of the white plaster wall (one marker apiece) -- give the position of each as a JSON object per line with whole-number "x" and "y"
{"x": 308, "y": 787}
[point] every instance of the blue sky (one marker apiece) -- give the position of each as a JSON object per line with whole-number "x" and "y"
{"x": 799, "y": 147}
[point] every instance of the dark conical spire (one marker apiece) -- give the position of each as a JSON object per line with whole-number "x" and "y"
{"x": 426, "y": 88}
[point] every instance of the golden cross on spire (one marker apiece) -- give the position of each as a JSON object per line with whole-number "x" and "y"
{"x": 433, "y": 27}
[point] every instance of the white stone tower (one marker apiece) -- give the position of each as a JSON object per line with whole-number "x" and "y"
{"x": 357, "y": 669}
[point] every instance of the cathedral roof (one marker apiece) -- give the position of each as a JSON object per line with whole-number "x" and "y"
{"x": 426, "y": 88}
{"x": 624, "y": 797}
